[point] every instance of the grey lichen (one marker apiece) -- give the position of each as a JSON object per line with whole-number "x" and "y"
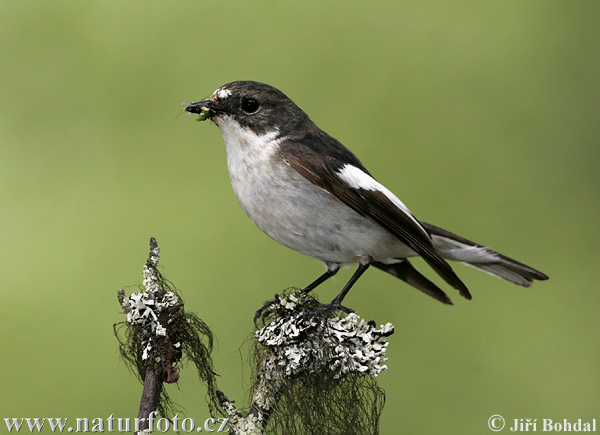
{"x": 314, "y": 368}
{"x": 159, "y": 335}
{"x": 144, "y": 309}
{"x": 315, "y": 371}
{"x": 238, "y": 423}
{"x": 341, "y": 345}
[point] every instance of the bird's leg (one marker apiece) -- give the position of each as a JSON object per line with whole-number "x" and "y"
{"x": 332, "y": 269}
{"x": 328, "y": 309}
{"x": 363, "y": 264}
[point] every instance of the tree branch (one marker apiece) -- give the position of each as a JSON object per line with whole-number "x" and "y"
{"x": 159, "y": 334}
{"x": 314, "y": 371}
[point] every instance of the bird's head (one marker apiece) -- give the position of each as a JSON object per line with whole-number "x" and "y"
{"x": 253, "y": 105}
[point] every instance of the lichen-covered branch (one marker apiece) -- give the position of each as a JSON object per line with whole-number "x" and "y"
{"x": 314, "y": 370}
{"x": 158, "y": 335}
{"x": 314, "y": 373}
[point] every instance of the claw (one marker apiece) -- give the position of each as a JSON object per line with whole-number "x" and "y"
{"x": 266, "y": 305}
{"x": 328, "y": 310}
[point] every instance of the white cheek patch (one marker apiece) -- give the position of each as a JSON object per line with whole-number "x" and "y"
{"x": 357, "y": 179}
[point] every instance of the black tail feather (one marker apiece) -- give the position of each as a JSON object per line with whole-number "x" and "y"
{"x": 457, "y": 248}
{"x": 407, "y": 273}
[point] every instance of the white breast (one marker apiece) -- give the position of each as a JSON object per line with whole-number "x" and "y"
{"x": 295, "y": 212}
{"x": 248, "y": 158}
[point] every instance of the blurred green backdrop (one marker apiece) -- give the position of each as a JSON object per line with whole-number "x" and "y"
{"x": 481, "y": 116}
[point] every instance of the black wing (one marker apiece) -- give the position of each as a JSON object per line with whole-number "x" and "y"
{"x": 322, "y": 168}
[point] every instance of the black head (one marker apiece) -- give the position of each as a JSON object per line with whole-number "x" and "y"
{"x": 253, "y": 105}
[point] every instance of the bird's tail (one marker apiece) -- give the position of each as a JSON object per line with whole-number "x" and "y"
{"x": 453, "y": 247}
{"x": 409, "y": 274}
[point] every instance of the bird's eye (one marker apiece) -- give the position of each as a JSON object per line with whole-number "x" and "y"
{"x": 250, "y": 105}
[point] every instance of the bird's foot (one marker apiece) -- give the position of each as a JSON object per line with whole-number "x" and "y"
{"x": 262, "y": 309}
{"x": 326, "y": 311}
{"x": 297, "y": 304}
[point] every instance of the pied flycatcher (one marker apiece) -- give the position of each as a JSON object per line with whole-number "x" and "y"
{"x": 307, "y": 191}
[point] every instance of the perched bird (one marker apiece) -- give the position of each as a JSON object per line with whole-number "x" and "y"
{"x": 310, "y": 193}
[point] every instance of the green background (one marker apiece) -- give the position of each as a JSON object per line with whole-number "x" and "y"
{"x": 481, "y": 116}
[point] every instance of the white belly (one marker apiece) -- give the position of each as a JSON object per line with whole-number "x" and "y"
{"x": 297, "y": 213}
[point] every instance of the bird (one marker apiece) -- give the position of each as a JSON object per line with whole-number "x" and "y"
{"x": 308, "y": 192}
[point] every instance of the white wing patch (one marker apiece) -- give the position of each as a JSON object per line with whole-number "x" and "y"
{"x": 357, "y": 179}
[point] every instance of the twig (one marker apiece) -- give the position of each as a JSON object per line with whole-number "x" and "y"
{"x": 314, "y": 371}
{"x": 314, "y": 374}
{"x": 150, "y": 398}
{"x": 159, "y": 334}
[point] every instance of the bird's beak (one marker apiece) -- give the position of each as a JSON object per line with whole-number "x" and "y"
{"x": 199, "y": 107}
{"x": 207, "y": 109}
